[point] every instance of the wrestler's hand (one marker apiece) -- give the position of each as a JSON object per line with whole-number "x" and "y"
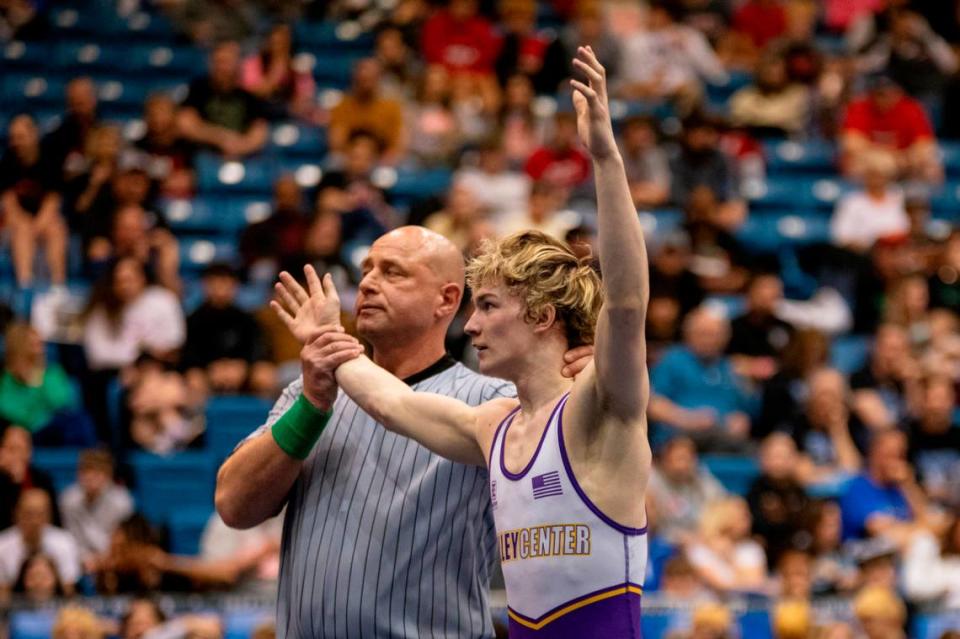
{"x": 593, "y": 111}
{"x": 306, "y": 312}
{"x": 575, "y": 360}
{"x": 320, "y": 358}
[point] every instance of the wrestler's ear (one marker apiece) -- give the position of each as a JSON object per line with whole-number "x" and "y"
{"x": 546, "y": 319}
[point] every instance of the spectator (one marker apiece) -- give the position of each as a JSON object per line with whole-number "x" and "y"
{"x": 863, "y": 217}
{"x": 208, "y": 22}
{"x": 142, "y": 616}
{"x": 89, "y": 191}
{"x": 370, "y": 214}
{"x": 589, "y": 27}
{"x": 273, "y": 75}
{"x": 33, "y": 393}
{"x": 675, "y": 59}
{"x": 680, "y": 581}
{"x": 131, "y": 563}
{"x": 773, "y": 106}
{"x": 945, "y": 282}
{"x": 461, "y": 221}
{"x": 889, "y": 120}
{"x": 399, "y": 63}
{"x": 931, "y": 567}
{"x": 363, "y": 108}
{"x": 795, "y": 575}
{"x": 141, "y": 235}
{"x": 538, "y": 54}
{"x": 792, "y": 619}
{"x": 496, "y": 187}
{"x": 885, "y": 499}
{"x": 434, "y": 135}
{"x": 29, "y": 199}
{"x": 778, "y": 503}
{"x": 520, "y": 128}
{"x": 23, "y": 20}
{"x": 711, "y": 620}
{"x": 38, "y": 580}
{"x": 887, "y": 389}
{"x": 166, "y": 414}
{"x": 698, "y": 162}
{"x": 560, "y": 162}
{"x": 673, "y": 281}
{"x": 17, "y": 474}
{"x": 680, "y": 488}
{"x": 33, "y": 532}
{"x": 65, "y": 147}
{"x": 218, "y": 113}
{"x": 723, "y": 554}
{"x": 74, "y": 622}
{"x": 224, "y": 352}
{"x": 910, "y": 52}
{"x": 785, "y": 393}
{"x": 935, "y": 442}
{"x": 880, "y": 612}
{"x": 833, "y": 569}
{"x": 760, "y": 21}
{"x": 461, "y": 40}
{"x": 908, "y": 305}
{"x": 541, "y": 213}
{"x": 170, "y": 154}
{"x": 95, "y": 505}
{"x": 646, "y": 164}
{"x": 126, "y": 316}
{"x": 268, "y": 244}
{"x": 695, "y": 389}
{"x": 823, "y": 431}
{"x": 758, "y": 336}
{"x": 877, "y": 560}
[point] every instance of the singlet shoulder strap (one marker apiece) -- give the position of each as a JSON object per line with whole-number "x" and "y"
{"x": 496, "y": 443}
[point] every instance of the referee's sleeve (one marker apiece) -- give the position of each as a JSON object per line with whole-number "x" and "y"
{"x": 285, "y": 401}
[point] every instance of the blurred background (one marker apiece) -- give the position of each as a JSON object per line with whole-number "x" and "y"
{"x": 796, "y": 166}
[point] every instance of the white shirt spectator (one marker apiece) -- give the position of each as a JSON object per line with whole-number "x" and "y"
{"x": 860, "y": 220}
{"x": 927, "y": 574}
{"x": 499, "y": 193}
{"x": 219, "y": 541}
{"x": 92, "y": 523}
{"x": 671, "y": 58}
{"x": 747, "y": 555}
{"x": 56, "y": 543}
{"x": 154, "y": 321}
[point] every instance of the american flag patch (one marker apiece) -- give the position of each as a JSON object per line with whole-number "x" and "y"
{"x": 493, "y": 493}
{"x": 547, "y": 485}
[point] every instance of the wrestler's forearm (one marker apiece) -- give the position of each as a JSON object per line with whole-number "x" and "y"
{"x": 253, "y": 484}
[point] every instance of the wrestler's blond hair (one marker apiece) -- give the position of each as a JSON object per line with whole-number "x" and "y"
{"x": 542, "y": 272}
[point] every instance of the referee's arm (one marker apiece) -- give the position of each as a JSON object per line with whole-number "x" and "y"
{"x": 253, "y": 483}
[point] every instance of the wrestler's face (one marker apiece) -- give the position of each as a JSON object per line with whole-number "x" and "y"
{"x": 499, "y": 330}
{"x": 399, "y": 292}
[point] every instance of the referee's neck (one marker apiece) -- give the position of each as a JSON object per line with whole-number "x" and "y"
{"x": 408, "y": 359}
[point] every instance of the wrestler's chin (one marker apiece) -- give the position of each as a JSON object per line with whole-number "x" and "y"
{"x": 487, "y": 363}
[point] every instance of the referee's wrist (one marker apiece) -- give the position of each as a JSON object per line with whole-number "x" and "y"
{"x": 317, "y": 404}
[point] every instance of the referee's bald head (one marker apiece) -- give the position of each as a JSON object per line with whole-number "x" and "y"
{"x": 413, "y": 281}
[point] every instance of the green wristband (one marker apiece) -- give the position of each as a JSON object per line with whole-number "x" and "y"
{"x": 299, "y": 428}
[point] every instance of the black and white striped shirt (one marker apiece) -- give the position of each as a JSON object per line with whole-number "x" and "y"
{"x": 382, "y": 538}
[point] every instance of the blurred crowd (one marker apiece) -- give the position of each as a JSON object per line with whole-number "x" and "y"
{"x": 858, "y": 493}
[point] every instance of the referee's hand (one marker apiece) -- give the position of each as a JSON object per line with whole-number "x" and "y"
{"x": 306, "y": 311}
{"x": 319, "y": 360}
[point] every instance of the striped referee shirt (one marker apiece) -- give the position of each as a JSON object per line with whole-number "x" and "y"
{"x": 382, "y": 538}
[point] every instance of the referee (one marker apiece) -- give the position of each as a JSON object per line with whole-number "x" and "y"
{"x": 382, "y": 538}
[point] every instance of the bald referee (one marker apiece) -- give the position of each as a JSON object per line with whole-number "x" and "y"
{"x": 382, "y": 538}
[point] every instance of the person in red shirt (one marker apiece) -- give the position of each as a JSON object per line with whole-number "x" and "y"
{"x": 560, "y": 162}
{"x": 467, "y": 45}
{"x": 761, "y": 21}
{"x": 888, "y": 119}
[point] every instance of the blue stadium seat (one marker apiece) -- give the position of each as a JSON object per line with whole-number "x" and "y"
{"x": 32, "y": 624}
{"x": 418, "y": 185}
{"x": 933, "y": 625}
{"x": 230, "y": 419}
{"x": 735, "y": 472}
{"x": 61, "y": 463}
{"x": 168, "y": 484}
{"x": 795, "y": 193}
{"x": 174, "y": 60}
{"x": 720, "y": 93}
{"x": 335, "y": 71}
{"x": 196, "y": 253}
{"x": 26, "y": 91}
{"x": 946, "y": 199}
{"x": 185, "y": 526}
{"x": 769, "y": 233}
{"x": 295, "y": 140}
{"x": 218, "y": 215}
{"x": 253, "y": 176}
{"x": 240, "y": 624}
{"x": 950, "y": 152}
{"x": 333, "y": 37}
{"x": 811, "y": 157}
{"x": 28, "y": 56}
{"x": 755, "y": 624}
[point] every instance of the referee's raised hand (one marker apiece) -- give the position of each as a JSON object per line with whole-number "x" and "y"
{"x": 307, "y": 312}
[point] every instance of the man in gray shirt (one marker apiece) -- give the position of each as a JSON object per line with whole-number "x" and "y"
{"x": 93, "y": 507}
{"x": 381, "y": 538}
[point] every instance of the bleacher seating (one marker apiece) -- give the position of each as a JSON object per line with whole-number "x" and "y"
{"x": 230, "y": 419}
{"x": 61, "y": 463}
{"x": 164, "y": 485}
